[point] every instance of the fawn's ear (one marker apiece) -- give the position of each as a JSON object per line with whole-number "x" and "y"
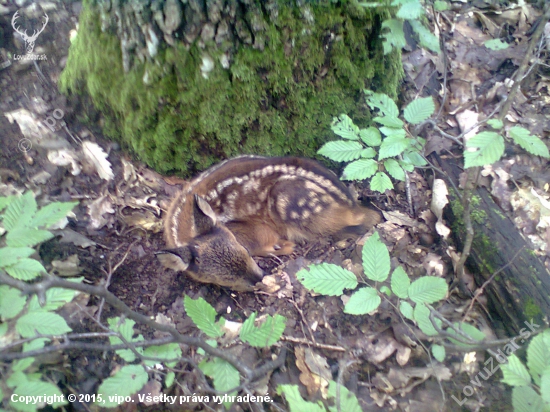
{"x": 175, "y": 259}
{"x": 204, "y": 217}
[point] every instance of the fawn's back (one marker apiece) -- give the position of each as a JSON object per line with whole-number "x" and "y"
{"x": 256, "y": 206}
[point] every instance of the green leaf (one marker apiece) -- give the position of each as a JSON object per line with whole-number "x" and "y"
{"x": 425, "y": 37}
{"x": 51, "y": 214}
{"x": 348, "y": 400}
{"x": 526, "y": 399}
{"x": 389, "y": 121}
{"x": 394, "y": 169}
{"x": 441, "y": 5}
{"x": 414, "y": 158}
{"x": 400, "y": 282}
{"x": 169, "y": 380}
{"x": 22, "y": 237}
{"x": 419, "y": 110}
{"x": 406, "y": 310}
{"x": 545, "y": 387}
{"x": 17, "y": 378}
{"x": 380, "y": 182}
{"x": 203, "y": 315}
{"x": 126, "y": 382}
{"x": 438, "y": 352}
{"x": 264, "y": 335}
{"x": 295, "y": 401}
{"x": 44, "y": 323}
{"x": 394, "y": 38}
{"x": 363, "y": 301}
{"x": 360, "y": 169}
{"x": 489, "y": 147}
{"x": 386, "y": 291}
{"x": 126, "y": 329}
{"x": 428, "y": 289}
{"x": 20, "y": 212}
{"x": 376, "y": 259}
{"x": 469, "y": 330}
{"x": 371, "y": 136}
{"x": 341, "y": 150}
{"x": 392, "y": 146}
{"x": 25, "y": 269}
{"x": 55, "y": 298}
{"x": 11, "y": 302}
{"x": 22, "y": 364}
{"x": 495, "y": 124}
{"x": 327, "y": 279}
{"x": 4, "y": 201}
{"x": 406, "y": 166}
{"x": 35, "y": 344}
{"x": 409, "y": 10}
{"x": 421, "y": 315}
{"x": 496, "y": 44}
{"x": 169, "y": 352}
{"x": 344, "y": 127}
{"x": 36, "y": 388}
{"x": 211, "y": 342}
{"x": 514, "y": 372}
{"x": 528, "y": 142}
{"x": 11, "y": 255}
{"x": 224, "y": 375}
{"x": 382, "y": 101}
{"x": 393, "y": 132}
{"x": 538, "y": 355}
{"x": 368, "y": 153}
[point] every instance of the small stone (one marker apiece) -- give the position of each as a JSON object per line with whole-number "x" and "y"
{"x": 172, "y": 16}
{"x": 40, "y": 178}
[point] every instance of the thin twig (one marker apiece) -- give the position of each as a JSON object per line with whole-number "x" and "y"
{"x": 109, "y": 276}
{"x": 306, "y": 342}
{"x": 471, "y": 183}
{"x": 521, "y": 73}
{"x": 481, "y": 289}
{"x": 50, "y": 281}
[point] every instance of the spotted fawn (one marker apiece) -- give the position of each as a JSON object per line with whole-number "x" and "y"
{"x": 256, "y": 206}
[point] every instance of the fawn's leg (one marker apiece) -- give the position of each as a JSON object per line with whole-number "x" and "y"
{"x": 259, "y": 238}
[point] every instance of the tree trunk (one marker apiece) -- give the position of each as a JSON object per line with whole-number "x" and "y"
{"x": 521, "y": 290}
{"x": 185, "y": 83}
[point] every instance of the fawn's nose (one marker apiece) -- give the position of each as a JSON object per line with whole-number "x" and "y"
{"x": 255, "y": 272}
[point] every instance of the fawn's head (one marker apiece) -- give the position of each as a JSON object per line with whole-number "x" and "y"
{"x": 214, "y": 255}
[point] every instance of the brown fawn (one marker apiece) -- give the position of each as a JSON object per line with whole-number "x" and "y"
{"x": 256, "y": 206}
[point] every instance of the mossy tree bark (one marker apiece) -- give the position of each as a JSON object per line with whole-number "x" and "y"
{"x": 519, "y": 292}
{"x": 185, "y": 83}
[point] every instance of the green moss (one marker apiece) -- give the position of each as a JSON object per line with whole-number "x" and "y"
{"x": 276, "y": 102}
{"x": 532, "y": 310}
{"x": 479, "y": 216}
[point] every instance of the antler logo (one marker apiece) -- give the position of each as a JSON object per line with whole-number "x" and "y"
{"x": 29, "y": 40}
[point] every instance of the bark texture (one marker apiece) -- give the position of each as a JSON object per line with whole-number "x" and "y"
{"x": 186, "y": 83}
{"x": 520, "y": 291}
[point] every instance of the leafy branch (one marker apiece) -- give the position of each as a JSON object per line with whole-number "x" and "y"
{"x": 51, "y": 281}
{"x": 397, "y": 151}
{"x": 30, "y": 323}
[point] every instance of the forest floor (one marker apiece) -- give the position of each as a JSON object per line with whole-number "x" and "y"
{"x": 117, "y": 227}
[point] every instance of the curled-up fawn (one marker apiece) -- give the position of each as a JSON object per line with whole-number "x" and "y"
{"x": 256, "y": 206}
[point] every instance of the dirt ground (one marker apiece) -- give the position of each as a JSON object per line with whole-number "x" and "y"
{"x": 117, "y": 229}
